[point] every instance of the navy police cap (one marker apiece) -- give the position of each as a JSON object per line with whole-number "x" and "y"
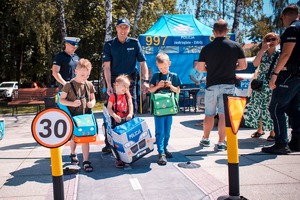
{"x": 123, "y": 21}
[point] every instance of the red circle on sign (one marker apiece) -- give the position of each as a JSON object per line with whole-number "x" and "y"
{"x": 52, "y": 127}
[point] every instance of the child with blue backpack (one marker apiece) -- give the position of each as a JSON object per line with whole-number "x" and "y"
{"x": 164, "y": 80}
{"x": 79, "y": 96}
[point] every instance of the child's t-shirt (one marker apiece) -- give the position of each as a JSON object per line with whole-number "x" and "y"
{"x": 173, "y": 77}
{"x": 119, "y": 106}
{"x": 80, "y": 89}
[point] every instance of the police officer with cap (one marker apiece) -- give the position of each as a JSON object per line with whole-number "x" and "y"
{"x": 64, "y": 64}
{"x": 63, "y": 70}
{"x": 119, "y": 57}
{"x": 285, "y": 82}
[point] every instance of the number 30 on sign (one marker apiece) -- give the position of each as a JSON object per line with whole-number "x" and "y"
{"x": 52, "y": 128}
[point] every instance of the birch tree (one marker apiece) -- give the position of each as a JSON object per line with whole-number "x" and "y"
{"x": 108, "y": 23}
{"x": 236, "y": 19}
{"x": 278, "y": 7}
{"x": 62, "y": 20}
{"x": 137, "y": 16}
{"x": 198, "y": 6}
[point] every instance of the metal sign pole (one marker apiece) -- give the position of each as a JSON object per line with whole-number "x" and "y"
{"x": 57, "y": 173}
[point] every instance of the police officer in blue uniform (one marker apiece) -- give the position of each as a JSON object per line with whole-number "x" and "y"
{"x": 63, "y": 70}
{"x": 119, "y": 57}
{"x": 285, "y": 82}
{"x": 64, "y": 64}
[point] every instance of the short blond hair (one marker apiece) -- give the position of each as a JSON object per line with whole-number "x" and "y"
{"x": 122, "y": 78}
{"x": 162, "y": 57}
{"x": 84, "y": 64}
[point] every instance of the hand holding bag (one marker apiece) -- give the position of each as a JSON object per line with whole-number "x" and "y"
{"x": 164, "y": 103}
{"x": 256, "y": 84}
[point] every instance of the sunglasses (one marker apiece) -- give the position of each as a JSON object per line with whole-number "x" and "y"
{"x": 271, "y": 39}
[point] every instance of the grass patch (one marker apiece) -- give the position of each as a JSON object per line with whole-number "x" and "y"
{"x": 98, "y": 106}
{"x": 5, "y": 109}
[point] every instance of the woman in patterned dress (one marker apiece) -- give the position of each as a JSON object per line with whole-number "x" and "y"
{"x": 257, "y": 114}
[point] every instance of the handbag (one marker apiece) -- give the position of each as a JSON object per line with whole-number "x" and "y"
{"x": 257, "y": 84}
{"x": 164, "y": 103}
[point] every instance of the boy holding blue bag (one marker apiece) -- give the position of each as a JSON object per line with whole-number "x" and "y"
{"x": 79, "y": 95}
{"x": 163, "y": 81}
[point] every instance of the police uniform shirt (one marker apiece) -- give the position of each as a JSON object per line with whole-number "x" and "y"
{"x": 123, "y": 57}
{"x": 292, "y": 34}
{"x": 67, "y": 64}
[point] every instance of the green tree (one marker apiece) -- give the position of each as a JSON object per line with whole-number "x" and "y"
{"x": 262, "y": 26}
{"x": 278, "y": 7}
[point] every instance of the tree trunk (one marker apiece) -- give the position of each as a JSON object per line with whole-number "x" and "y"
{"x": 137, "y": 17}
{"x": 108, "y": 25}
{"x": 236, "y": 20}
{"x": 61, "y": 10}
{"x": 197, "y": 14}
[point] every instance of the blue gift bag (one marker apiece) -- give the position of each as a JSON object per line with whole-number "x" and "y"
{"x": 2, "y": 124}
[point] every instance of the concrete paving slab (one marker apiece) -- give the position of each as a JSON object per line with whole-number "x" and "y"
{"x": 25, "y": 165}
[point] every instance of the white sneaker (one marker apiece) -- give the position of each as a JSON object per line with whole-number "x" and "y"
{"x": 205, "y": 142}
{"x": 221, "y": 146}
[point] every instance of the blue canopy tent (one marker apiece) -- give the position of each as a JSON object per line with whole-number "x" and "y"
{"x": 180, "y": 36}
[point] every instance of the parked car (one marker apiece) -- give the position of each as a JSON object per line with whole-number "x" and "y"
{"x": 8, "y": 89}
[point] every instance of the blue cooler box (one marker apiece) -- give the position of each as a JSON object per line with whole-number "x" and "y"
{"x": 2, "y": 124}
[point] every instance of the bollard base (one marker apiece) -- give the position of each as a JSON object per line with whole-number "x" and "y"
{"x": 228, "y": 197}
{"x": 188, "y": 165}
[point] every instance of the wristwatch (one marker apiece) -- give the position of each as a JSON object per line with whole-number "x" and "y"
{"x": 274, "y": 73}
{"x": 146, "y": 81}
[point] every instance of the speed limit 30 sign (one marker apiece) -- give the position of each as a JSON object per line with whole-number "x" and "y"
{"x": 52, "y": 127}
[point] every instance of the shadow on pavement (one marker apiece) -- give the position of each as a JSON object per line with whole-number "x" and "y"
{"x": 20, "y": 146}
{"x": 39, "y": 171}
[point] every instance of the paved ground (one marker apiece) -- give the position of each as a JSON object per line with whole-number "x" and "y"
{"x": 25, "y": 171}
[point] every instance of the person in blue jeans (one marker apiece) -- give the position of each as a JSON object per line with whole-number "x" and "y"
{"x": 220, "y": 59}
{"x": 164, "y": 80}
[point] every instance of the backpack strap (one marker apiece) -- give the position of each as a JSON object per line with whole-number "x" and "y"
{"x": 73, "y": 88}
{"x": 116, "y": 110}
{"x": 87, "y": 96}
{"x": 272, "y": 65}
{"x": 115, "y": 103}
{"x": 89, "y": 110}
{"x": 77, "y": 97}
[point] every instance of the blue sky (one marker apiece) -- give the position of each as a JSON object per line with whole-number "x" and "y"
{"x": 267, "y": 10}
{"x": 267, "y": 6}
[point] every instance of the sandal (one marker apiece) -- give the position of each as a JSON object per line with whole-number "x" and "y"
{"x": 87, "y": 166}
{"x": 271, "y": 138}
{"x": 257, "y": 134}
{"x": 74, "y": 159}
